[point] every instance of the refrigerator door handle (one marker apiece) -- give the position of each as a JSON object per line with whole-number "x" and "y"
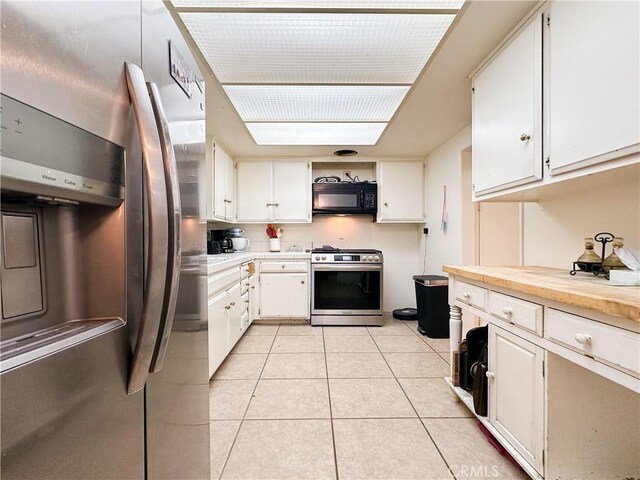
{"x": 174, "y": 246}
{"x": 157, "y": 213}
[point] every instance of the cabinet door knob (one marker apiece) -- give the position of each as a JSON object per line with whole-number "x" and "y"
{"x": 227, "y": 307}
{"x": 253, "y": 288}
{"x": 276, "y": 204}
{"x": 386, "y": 204}
{"x": 507, "y": 310}
{"x": 583, "y": 338}
{"x": 246, "y": 301}
{"x": 302, "y": 282}
{"x": 490, "y": 375}
{"x": 283, "y": 266}
{"x": 233, "y": 304}
{"x": 524, "y": 137}
{"x": 466, "y": 295}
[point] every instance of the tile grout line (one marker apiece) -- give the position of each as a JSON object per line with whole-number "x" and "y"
{"x": 416, "y": 411}
{"x": 333, "y": 435}
{"x": 235, "y": 438}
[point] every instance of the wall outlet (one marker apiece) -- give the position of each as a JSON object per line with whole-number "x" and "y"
{"x": 346, "y": 174}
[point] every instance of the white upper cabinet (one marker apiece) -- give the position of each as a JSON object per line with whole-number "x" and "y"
{"x": 291, "y": 191}
{"x": 274, "y": 192}
{"x": 593, "y": 94}
{"x": 507, "y": 114}
{"x": 254, "y": 191}
{"x": 224, "y": 182}
{"x": 401, "y": 191}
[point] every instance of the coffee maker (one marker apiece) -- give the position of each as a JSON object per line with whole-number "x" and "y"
{"x": 218, "y": 242}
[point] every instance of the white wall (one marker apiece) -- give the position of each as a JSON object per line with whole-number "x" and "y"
{"x": 398, "y": 242}
{"x": 444, "y": 167}
{"x": 554, "y": 229}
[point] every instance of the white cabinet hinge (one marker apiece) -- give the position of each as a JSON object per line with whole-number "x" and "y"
{"x": 547, "y": 162}
{"x": 473, "y": 89}
{"x": 548, "y": 20}
{"x": 473, "y": 187}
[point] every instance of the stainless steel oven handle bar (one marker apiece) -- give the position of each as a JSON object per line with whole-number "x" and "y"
{"x": 156, "y": 191}
{"x": 174, "y": 247}
{"x": 354, "y": 267}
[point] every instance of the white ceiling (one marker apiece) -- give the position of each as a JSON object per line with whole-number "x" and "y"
{"x": 437, "y": 106}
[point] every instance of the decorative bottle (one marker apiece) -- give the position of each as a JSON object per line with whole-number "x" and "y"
{"x": 613, "y": 262}
{"x": 589, "y": 256}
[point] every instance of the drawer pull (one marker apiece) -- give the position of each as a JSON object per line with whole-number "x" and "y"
{"x": 253, "y": 288}
{"x": 246, "y": 301}
{"x": 490, "y": 375}
{"x": 583, "y": 339}
{"x": 227, "y": 307}
{"x": 233, "y": 304}
{"x": 283, "y": 266}
{"x": 466, "y": 295}
{"x": 507, "y": 310}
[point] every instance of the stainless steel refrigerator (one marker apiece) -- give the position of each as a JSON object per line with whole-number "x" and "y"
{"x": 103, "y": 353}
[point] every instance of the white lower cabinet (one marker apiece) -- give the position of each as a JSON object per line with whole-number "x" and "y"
{"x": 516, "y": 393}
{"x": 254, "y": 298}
{"x": 234, "y": 313}
{"x": 284, "y": 295}
{"x": 218, "y": 331}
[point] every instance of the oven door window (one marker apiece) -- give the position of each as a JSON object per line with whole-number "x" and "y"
{"x": 347, "y": 290}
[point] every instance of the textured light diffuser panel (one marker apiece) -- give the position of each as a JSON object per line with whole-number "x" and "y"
{"x": 399, "y": 4}
{"x": 304, "y": 48}
{"x": 282, "y": 103}
{"x": 316, "y": 133}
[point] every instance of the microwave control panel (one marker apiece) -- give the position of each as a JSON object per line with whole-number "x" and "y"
{"x": 369, "y": 200}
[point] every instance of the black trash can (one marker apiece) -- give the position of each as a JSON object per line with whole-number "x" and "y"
{"x": 432, "y": 299}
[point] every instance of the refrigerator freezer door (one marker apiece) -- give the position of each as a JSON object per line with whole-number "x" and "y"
{"x": 177, "y": 396}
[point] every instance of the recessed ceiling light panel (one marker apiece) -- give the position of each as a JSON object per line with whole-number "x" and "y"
{"x": 304, "y": 48}
{"x": 282, "y": 103}
{"x": 398, "y": 4}
{"x": 316, "y": 133}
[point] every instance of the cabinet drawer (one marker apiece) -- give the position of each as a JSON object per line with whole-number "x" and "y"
{"x": 244, "y": 301}
{"x": 244, "y": 286}
{"x": 475, "y": 296}
{"x": 247, "y": 269}
{"x": 519, "y": 312}
{"x": 612, "y": 344}
{"x": 273, "y": 267}
{"x": 222, "y": 280}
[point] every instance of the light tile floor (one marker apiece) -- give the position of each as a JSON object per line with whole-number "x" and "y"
{"x": 302, "y": 402}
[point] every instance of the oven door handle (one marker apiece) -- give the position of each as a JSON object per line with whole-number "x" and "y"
{"x": 346, "y": 268}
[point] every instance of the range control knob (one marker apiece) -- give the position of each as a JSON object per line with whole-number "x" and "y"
{"x": 370, "y": 258}
{"x": 324, "y": 257}
{"x": 364, "y": 258}
{"x": 317, "y": 257}
{"x": 376, "y": 258}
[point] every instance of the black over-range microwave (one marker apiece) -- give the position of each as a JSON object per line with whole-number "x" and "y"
{"x": 345, "y": 198}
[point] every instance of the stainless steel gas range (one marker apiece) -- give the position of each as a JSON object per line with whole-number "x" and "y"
{"x": 346, "y": 287}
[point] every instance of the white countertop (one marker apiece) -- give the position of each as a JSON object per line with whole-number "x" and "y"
{"x": 217, "y": 263}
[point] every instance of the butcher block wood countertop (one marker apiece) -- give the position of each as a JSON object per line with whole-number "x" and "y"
{"x": 582, "y": 290}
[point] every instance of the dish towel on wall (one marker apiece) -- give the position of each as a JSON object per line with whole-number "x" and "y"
{"x": 445, "y": 212}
